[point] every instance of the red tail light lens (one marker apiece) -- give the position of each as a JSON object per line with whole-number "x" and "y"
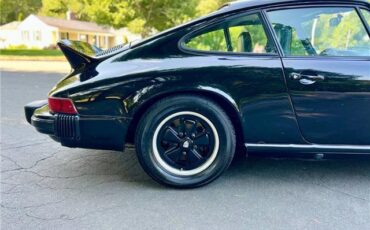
{"x": 61, "y": 105}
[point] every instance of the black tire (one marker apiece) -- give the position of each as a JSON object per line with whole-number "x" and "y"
{"x": 211, "y": 124}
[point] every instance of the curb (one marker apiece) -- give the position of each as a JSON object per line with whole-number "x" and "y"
{"x": 45, "y": 66}
{"x": 30, "y": 58}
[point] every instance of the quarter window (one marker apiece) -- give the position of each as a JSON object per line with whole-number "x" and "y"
{"x": 209, "y": 41}
{"x": 244, "y": 34}
{"x": 321, "y": 31}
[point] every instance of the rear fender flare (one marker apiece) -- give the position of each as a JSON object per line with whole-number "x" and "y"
{"x": 141, "y": 102}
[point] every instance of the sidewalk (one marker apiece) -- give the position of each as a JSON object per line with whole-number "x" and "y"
{"x": 35, "y": 66}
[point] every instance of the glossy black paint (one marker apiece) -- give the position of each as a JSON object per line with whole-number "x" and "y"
{"x": 265, "y": 104}
{"x": 335, "y": 110}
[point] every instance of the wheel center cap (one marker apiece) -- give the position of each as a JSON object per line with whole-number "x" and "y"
{"x": 186, "y": 144}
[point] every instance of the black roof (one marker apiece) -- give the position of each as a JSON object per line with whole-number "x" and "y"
{"x": 236, "y": 5}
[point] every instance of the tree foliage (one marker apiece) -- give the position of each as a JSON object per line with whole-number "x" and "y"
{"x": 140, "y": 16}
{"x": 207, "y": 6}
{"x": 59, "y": 8}
{"x": 17, "y": 10}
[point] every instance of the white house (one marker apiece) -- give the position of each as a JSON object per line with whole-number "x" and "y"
{"x": 9, "y": 35}
{"x": 43, "y": 32}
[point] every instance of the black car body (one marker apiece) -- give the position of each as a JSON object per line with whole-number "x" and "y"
{"x": 276, "y": 100}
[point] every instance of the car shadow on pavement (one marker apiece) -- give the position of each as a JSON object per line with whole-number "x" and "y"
{"x": 351, "y": 172}
{"x": 350, "y": 169}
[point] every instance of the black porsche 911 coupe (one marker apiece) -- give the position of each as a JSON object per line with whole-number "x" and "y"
{"x": 276, "y": 76}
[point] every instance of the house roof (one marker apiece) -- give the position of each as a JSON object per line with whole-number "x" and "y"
{"x": 74, "y": 25}
{"x": 10, "y": 26}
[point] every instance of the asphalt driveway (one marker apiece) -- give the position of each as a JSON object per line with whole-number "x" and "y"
{"x": 46, "y": 186}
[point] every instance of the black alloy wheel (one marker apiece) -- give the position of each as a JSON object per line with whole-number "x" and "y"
{"x": 185, "y": 141}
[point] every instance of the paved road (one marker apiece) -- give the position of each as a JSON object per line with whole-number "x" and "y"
{"x": 45, "y": 186}
{"x": 61, "y": 67}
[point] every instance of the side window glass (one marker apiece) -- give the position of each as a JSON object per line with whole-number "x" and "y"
{"x": 323, "y": 31}
{"x": 244, "y": 34}
{"x": 209, "y": 41}
{"x": 366, "y": 15}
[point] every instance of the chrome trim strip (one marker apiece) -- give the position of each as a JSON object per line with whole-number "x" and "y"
{"x": 312, "y": 146}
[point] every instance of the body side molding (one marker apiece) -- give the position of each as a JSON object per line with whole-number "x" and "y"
{"x": 309, "y": 148}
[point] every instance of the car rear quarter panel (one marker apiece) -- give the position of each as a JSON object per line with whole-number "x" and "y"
{"x": 253, "y": 85}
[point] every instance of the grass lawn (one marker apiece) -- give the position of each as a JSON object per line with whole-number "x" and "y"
{"x": 30, "y": 53}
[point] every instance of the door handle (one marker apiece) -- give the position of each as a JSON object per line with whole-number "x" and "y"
{"x": 307, "y": 79}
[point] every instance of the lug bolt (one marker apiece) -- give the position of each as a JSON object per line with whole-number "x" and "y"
{"x": 195, "y": 146}
{"x": 184, "y": 153}
{"x": 193, "y": 135}
{"x": 181, "y": 134}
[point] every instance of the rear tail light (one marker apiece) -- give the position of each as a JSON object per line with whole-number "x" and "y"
{"x": 61, "y": 105}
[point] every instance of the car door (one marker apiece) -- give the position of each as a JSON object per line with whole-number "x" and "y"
{"x": 237, "y": 56}
{"x": 326, "y": 52}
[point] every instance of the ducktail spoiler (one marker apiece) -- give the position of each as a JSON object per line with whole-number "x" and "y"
{"x": 80, "y": 54}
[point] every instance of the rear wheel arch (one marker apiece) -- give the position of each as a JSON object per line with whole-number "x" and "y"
{"x": 227, "y": 104}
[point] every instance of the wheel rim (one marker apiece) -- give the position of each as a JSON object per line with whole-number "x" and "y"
{"x": 185, "y": 143}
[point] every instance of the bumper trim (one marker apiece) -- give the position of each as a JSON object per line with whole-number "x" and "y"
{"x": 45, "y": 126}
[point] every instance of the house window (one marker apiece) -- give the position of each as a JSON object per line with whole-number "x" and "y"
{"x": 25, "y": 35}
{"x": 37, "y": 35}
{"x": 103, "y": 41}
{"x": 64, "y": 35}
{"x": 84, "y": 37}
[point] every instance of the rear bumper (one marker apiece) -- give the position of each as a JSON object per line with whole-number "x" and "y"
{"x": 45, "y": 126}
{"x": 95, "y": 132}
{"x": 31, "y": 107}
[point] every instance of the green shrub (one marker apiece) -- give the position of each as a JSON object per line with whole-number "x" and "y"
{"x": 30, "y": 52}
{"x": 17, "y": 47}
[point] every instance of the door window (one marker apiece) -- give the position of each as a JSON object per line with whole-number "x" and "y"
{"x": 323, "y": 31}
{"x": 244, "y": 34}
{"x": 366, "y": 15}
